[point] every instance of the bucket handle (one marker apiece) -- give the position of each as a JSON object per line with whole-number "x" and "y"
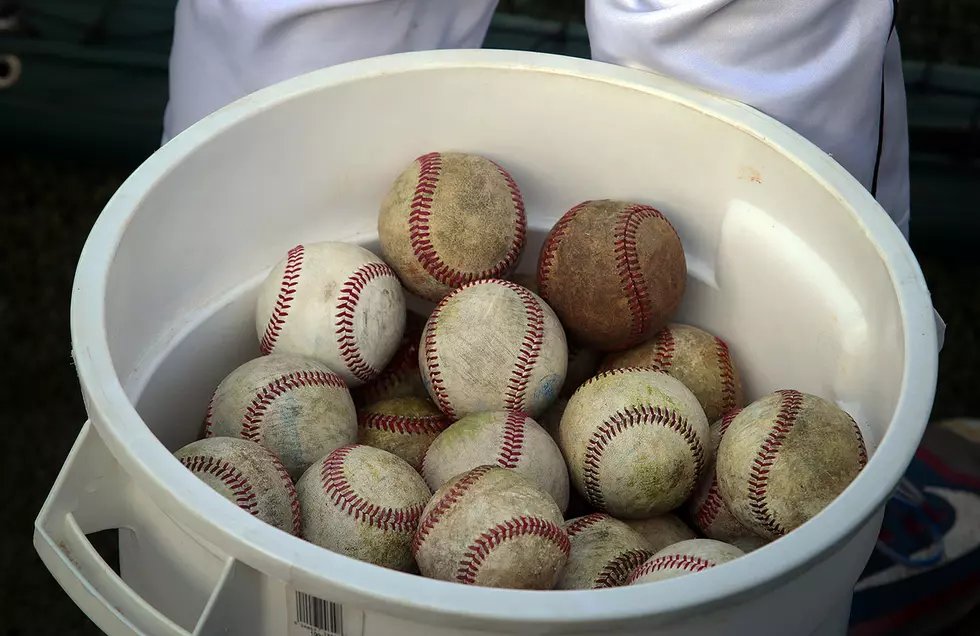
{"x": 91, "y": 494}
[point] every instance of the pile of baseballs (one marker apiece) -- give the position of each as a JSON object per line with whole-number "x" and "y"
{"x": 550, "y": 431}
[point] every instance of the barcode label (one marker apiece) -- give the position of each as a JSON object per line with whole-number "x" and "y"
{"x": 312, "y": 616}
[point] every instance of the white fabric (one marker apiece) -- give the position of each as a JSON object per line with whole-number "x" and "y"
{"x": 225, "y": 49}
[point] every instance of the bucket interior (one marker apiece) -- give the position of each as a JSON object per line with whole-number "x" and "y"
{"x": 779, "y": 266}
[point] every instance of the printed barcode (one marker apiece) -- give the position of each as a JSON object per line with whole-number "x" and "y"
{"x": 319, "y": 614}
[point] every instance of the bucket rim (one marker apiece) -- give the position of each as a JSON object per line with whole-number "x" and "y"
{"x": 369, "y": 587}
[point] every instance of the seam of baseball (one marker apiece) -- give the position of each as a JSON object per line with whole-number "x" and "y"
{"x": 522, "y": 526}
{"x": 625, "y": 419}
{"x": 229, "y": 475}
{"x": 350, "y": 296}
{"x": 671, "y": 561}
{"x": 628, "y": 264}
{"x": 618, "y": 570}
{"x": 727, "y": 370}
{"x": 663, "y": 350}
{"x": 617, "y": 371}
{"x": 342, "y": 495}
{"x": 209, "y": 416}
{"x": 530, "y": 351}
{"x": 708, "y": 510}
{"x": 443, "y": 505}
{"x": 287, "y": 292}
{"x": 513, "y": 440}
{"x": 405, "y": 361}
{"x": 287, "y": 481}
{"x": 404, "y": 424}
{"x": 419, "y": 220}
{"x": 439, "y": 391}
{"x": 550, "y": 248}
{"x": 264, "y": 397}
{"x": 862, "y": 449}
{"x": 585, "y": 522}
{"x": 758, "y": 482}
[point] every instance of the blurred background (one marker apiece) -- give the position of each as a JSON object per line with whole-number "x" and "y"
{"x": 83, "y": 85}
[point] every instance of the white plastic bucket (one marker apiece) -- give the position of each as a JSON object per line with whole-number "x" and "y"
{"x": 790, "y": 260}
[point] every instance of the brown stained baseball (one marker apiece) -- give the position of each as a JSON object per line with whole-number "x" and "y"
{"x": 293, "y": 405}
{"x": 706, "y": 508}
{"x": 492, "y": 527}
{"x": 700, "y": 360}
{"x": 686, "y": 557}
{"x": 635, "y": 441}
{"x": 604, "y": 553}
{"x": 493, "y": 345}
{"x": 335, "y": 302}
{"x": 364, "y": 503}
{"x": 404, "y": 426}
{"x": 451, "y": 218}
{"x": 662, "y": 530}
{"x": 248, "y": 475}
{"x": 614, "y": 271}
{"x": 786, "y": 457}
{"x": 401, "y": 377}
{"x": 504, "y": 438}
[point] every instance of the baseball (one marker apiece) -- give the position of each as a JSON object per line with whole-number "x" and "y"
{"x": 614, "y": 272}
{"x": 662, "y": 530}
{"x": 294, "y": 406}
{"x": 706, "y": 508}
{"x": 402, "y": 377}
{"x": 506, "y": 439}
{"x": 635, "y": 442}
{"x": 248, "y": 475}
{"x": 695, "y": 357}
{"x": 784, "y": 458}
{"x": 403, "y": 426}
{"x": 683, "y": 558}
{"x": 604, "y": 553}
{"x": 492, "y": 345}
{"x": 336, "y": 302}
{"x": 364, "y": 503}
{"x": 451, "y": 218}
{"x": 492, "y": 527}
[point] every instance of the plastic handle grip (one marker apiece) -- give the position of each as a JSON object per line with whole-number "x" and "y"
{"x": 87, "y": 497}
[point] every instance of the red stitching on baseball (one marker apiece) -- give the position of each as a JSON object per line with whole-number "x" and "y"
{"x": 792, "y": 403}
{"x": 436, "y": 382}
{"x": 628, "y": 262}
{"x": 617, "y": 572}
{"x": 404, "y": 363}
{"x": 513, "y": 443}
{"x": 443, "y": 505}
{"x": 671, "y": 562}
{"x": 523, "y": 526}
{"x": 419, "y": 220}
{"x": 587, "y": 521}
{"x": 862, "y": 449}
{"x": 405, "y": 424}
{"x": 252, "y": 420}
{"x": 290, "y": 490}
{"x": 350, "y": 295}
{"x": 663, "y": 350}
{"x": 727, "y": 370}
{"x": 287, "y": 291}
{"x": 550, "y": 248}
{"x": 713, "y": 504}
{"x": 626, "y": 419}
{"x": 527, "y": 357}
{"x": 229, "y": 476}
{"x": 340, "y": 492}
